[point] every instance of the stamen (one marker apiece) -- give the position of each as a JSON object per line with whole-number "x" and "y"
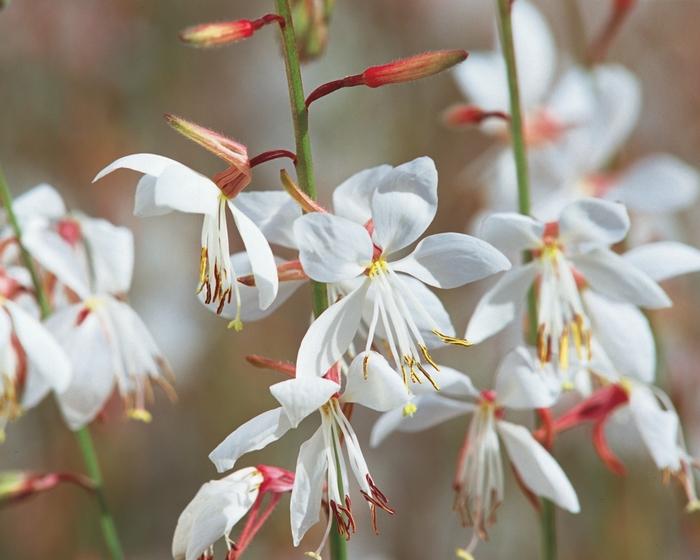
{"x": 428, "y": 358}
{"x": 139, "y": 414}
{"x": 451, "y": 339}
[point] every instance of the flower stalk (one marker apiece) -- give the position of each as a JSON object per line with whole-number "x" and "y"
{"x": 305, "y": 176}
{"x": 87, "y": 447}
{"x": 547, "y": 515}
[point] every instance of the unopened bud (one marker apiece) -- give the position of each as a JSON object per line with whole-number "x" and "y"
{"x": 238, "y": 176}
{"x": 466, "y": 115}
{"x": 225, "y": 32}
{"x": 412, "y": 68}
{"x": 18, "y": 485}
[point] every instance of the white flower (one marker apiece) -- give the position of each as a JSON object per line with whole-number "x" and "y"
{"x": 567, "y": 255}
{"x": 103, "y": 337}
{"x": 31, "y": 362}
{"x": 213, "y": 512}
{"x": 519, "y": 385}
{"x": 334, "y": 249}
{"x": 168, "y": 185}
{"x": 321, "y": 459}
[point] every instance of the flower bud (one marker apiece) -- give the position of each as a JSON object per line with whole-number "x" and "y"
{"x": 238, "y": 175}
{"x": 465, "y": 115}
{"x": 412, "y": 68}
{"x": 18, "y": 485}
{"x": 311, "y": 21}
{"x": 217, "y": 34}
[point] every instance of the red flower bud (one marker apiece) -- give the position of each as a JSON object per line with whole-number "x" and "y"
{"x": 465, "y": 115}
{"x": 225, "y": 32}
{"x": 412, "y": 68}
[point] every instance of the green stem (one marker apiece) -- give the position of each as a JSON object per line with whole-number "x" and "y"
{"x": 300, "y": 119}
{"x": 305, "y": 176}
{"x": 109, "y": 531}
{"x": 92, "y": 465}
{"x": 547, "y": 517}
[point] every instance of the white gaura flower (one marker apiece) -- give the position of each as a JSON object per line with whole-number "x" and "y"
{"x": 220, "y": 504}
{"x": 105, "y": 340}
{"x": 31, "y": 362}
{"x": 337, "y": 250}
{"x": 567, "y": 255}
{"x": 168, "y": 185}
{"x": 321, "y": 459}
{"x": 520, "y": 384}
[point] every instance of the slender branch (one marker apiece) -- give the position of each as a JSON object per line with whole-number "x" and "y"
{"x": 305, "y": 176}
{"x": 83, "y": 437}
{"x": 547, "y": 517}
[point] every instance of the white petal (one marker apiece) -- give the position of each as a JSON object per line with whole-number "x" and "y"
{"x": 609, "y": 274}
{"x": 450, "y": 260}
{"x": 41, "y": 201}
{"x": 535, "y": 52}
{"x": 509, "y": 231}
{"x": 452, "y": 383}
{"x": 331, "y": 334}
{"x": 300, "y": 397}
{"x": 537, "y": 468}
{"x": 431, "y": 410}
{"x": 573, "y": 101}
{"x": 262, "y": 261}
{"x": 482, "y": 79}
{"x": 625, "y": 335}
{"x": 658, "y": 428}
{"x": 46, "y": 357}
{"x": 521, "y": 383}
{"x": 92, "y": 358}
{"x": 405, "y": 203}
{"x": 332, "y": 249}
{"x": 593, "y": 221}
{"x": 501, "y": 304}
{"x": 255, "y": 434}
{"x": 111, "y": 254}
{"x": 658, "y": 183}
{"x": 177, "y": 187}
{"x": 382, "y": 389}
{"x": 273, "y": 212}
{"x": 307, "y": 492}
{"x": 352, "y": 199}
{"x": 664, "y": 259}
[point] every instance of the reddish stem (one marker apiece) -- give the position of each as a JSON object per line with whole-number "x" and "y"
{"x": 272, "y": 154}
{"x": 268, "y": 363}
{"x": 335, "y": 85}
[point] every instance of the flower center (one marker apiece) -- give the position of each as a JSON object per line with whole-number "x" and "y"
{"x": 378, "y": 266}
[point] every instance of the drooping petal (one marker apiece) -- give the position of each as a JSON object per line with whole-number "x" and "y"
{"x": 509, "y": 231}
{"x": 593, "y": 222}
{"x": 255, "y": 434}
{"x": 405, "y": 203}
{"x": 373, "y": 383}
{"x": 331, "y": 334}
{"x": 176, "y": 187}
{"x": 611, "y": 275}
{"x": 111, "y": 254}
{"x": 657, "y": 183}
{"x": 501, "y": 304}
{"x": 332, "y": 249}
{"x": 307, "y": 492}
{"x": 522, "y": 383}
{"x": 46, "y": 357}
{"x": 573, "y": 101}
{"x": 262, "y": 261}
{"x": 431, "y": 410}
{"x": 664, "y": 259}
{"x": 352, "y": 199}
{"x": 658, "y": 427}
{"x": 537, "y": 468}
{"x": 87, "y": 345}
{"x": 301, "y": 396}
{"x": 41, "y": 201}
{"x": 274, "y": 212}
{"x": 624, "y": 333}
{"x": 450, "y": 260}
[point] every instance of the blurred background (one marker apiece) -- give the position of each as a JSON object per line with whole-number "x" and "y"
{"x": 82, "y": 83}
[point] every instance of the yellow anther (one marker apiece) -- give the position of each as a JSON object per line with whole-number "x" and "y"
{"x": 377, "y": 267}
{"x": 428, "y": 358}
{"x": 93, "y": 303}
{"x": 447, "y": 339}
{"x": 568, "y": 385}
{"x": 139, "y": 414}
{"x": 409, "y": 410}
{"x": 203, "y": 262}
{"x": 693, "y": 506}
{"x": 463, "y": 554}
{"x": 365, "y": 364}
{"x": 626, "y": 385}
{"x": 564, "y": 349}
{"x": 314, "y": 555}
